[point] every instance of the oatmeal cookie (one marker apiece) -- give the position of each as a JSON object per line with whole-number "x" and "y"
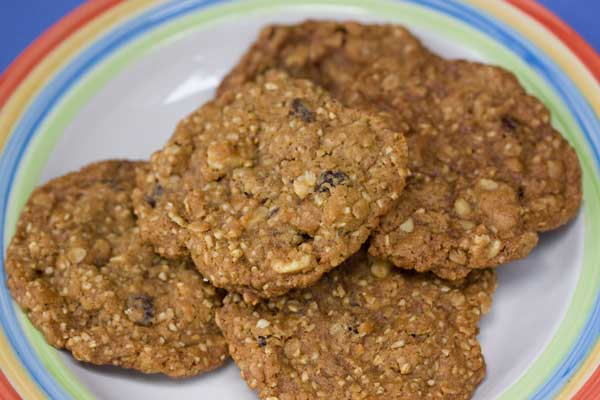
{"x": 271, "y": 185}
{"x": 78, "y": 268}
{"x": 364, "y": 331}
{"x": 488, "y": 171}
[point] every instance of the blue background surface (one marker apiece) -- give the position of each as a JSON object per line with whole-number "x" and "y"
{"x": 21, "y": 21}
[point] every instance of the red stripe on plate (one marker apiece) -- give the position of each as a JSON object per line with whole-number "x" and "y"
{"x": 564, "y": 32}
{"x": 591, "y": 389}
{"x": 28, "y": 59}
{"x": 591, "y": 59}
{"x": 22, "y": 66}
{"x": 6, "y": 390}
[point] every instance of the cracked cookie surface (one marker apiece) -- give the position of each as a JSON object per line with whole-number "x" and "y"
{"x": 488, "y": 171}
{"x": 270, "y": 185}
{"x": 79, "y": 269}
{"x": 365, "y": 331}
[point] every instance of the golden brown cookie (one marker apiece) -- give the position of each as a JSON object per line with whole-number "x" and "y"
{"x": 78, "y": 268}
{"x": 364, "y": 331}
{"x": 270, "y": 185}
{"x": 488, "y": 171}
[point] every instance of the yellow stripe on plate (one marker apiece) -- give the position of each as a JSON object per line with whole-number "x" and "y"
{"x": 18, "y": 103}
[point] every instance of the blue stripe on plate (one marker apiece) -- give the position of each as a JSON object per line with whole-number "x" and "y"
{"x": 103, "y": 47}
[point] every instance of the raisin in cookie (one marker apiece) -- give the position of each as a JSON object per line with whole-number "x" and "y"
{"x": 270, "y": 185}
{"x": 364, "y": 331}
{"x": 78, "y": 268}
{"x": 488, "y": 171}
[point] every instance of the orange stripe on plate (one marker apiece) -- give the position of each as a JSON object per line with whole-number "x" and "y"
{"x": 22, "y": 66}
{"x": 567, "y": 35}
{"x": 591, "y": 59}
{"x": 29, "y": 58}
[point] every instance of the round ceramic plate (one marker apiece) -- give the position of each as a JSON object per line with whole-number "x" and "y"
{"x": 113, "y": 78}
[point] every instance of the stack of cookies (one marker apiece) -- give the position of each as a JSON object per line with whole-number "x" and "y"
{"x": 330, "y": 220}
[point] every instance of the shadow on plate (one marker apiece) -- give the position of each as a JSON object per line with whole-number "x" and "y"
{"x": 133, "y": 375}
